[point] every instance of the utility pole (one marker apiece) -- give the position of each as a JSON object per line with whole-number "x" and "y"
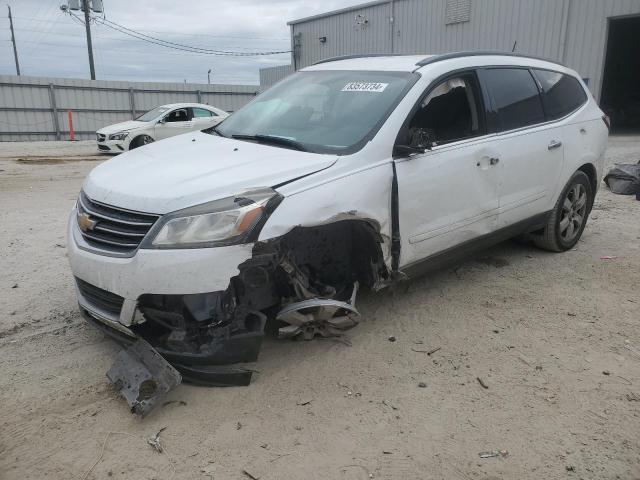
{"x": 13, "y": 40}
{"x": 87, "y": 26}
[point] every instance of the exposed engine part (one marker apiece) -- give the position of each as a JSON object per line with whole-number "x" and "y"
{"x": 318, "y": 316}
{"x": 143, "y": 377}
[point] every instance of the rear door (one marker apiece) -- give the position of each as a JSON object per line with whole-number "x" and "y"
{"x": 530, "y": 149}
{"x": 449, "y": 194}
{"x": 204, "y": 118}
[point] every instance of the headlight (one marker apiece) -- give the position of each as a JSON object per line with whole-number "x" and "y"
{"x": 118, "y": 136}
{"x": 227, "y": 221}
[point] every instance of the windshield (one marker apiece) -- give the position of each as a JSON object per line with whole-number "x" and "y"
{"x": 324, "y": 111}
{"x": 152, "y": 114}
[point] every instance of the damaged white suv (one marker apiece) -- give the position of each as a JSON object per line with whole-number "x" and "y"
{"x": 354, "y": 171}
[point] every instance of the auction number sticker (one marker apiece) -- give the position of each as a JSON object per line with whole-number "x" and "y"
{"x": 365, "y": 87}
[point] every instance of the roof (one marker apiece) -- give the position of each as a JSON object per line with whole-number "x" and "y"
{"x": 392, "y": 63}
{"x": 410, "y": 63}
{"x": 339, "y": 11}
{"x": 185, "y": 104}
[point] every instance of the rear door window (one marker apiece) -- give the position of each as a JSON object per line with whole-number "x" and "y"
{"x": 562, "y": 94}
{"x": 203, "y": 113}
{"x": 515, "y": 96}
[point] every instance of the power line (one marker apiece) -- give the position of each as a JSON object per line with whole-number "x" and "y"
{"x": 183, "y": 47}
{"x": 244, "y": 37}
{"x": 115, "y": 38}
{"x": 178, "y": 46}
{"x": 190, "y": 47}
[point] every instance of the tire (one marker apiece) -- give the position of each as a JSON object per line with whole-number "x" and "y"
{"x": 569, "y": 217}
{"x": 140, "y": 141}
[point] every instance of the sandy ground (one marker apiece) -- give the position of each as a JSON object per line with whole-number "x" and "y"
{"x": 555, "y": 338}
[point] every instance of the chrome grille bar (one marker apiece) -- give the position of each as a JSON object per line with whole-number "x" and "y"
{"x": 111, "y": 228}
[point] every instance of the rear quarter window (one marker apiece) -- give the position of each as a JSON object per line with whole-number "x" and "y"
{"x": 515, "y": 96}
{"x": 203, "y": 113}
{"x": 562, "y": 94}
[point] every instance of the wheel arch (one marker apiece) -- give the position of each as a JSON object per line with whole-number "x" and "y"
{"x": 135, "y": 139}
{"x": 590, "y": 171}
{"x": 341, "y": 250}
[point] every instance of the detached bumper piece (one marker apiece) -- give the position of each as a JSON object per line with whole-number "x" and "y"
{"x": 215, "y": 375}
{"x": 145, "y": 373}
{"x": 143, "y": 377}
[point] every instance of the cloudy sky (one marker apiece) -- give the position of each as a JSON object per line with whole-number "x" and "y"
{"x": 51, "y": 43}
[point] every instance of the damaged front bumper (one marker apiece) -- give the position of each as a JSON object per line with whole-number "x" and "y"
{"x": 202, "y": 335}
{"x": 151, "y": 365}
{"x": 306, "y": 279}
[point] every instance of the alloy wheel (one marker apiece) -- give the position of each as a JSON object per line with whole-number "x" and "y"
{"x": 574, "y": 210}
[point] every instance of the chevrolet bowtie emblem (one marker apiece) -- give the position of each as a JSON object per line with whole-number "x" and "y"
{"x": 85, "y": 222}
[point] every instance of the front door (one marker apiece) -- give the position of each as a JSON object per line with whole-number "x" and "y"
{"x": 448, "y": 195}
{"x": 174, "y": 123}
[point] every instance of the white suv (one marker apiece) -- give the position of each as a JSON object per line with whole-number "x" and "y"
{"x": 352, "y": 172}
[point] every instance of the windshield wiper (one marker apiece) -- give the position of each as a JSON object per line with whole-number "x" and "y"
{"x": 273, "y": 140}
{"x": 213, "y": 129}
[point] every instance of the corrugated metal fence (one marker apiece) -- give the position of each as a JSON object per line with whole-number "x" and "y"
{"x": 272, "y": 75}
{"x": 35, "y": 108}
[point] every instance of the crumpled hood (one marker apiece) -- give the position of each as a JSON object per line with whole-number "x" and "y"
{"x": 122, "y": 126}
{"x": 195, "y": 168}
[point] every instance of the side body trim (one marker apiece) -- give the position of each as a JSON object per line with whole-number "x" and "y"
{"x": 457, "y": 253}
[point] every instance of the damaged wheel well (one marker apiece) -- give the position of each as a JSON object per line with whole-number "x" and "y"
{"x": 338, "y": 253}
{"x": 323, "y": 261}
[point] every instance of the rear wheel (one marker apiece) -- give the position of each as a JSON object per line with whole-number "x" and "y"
{"x": 140, "y": 141}
{"x": 569, "y": 216}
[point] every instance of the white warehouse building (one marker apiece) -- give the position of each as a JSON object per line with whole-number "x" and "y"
{"x": 598, "y": 38}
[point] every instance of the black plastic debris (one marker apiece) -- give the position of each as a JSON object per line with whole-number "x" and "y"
{"x": 143, "y": 377}
{"x": 624, "y": 179}
{"x": 215, "y": 375}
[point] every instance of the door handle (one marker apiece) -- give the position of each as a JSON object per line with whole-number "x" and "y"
{"x": 554, "y": 144}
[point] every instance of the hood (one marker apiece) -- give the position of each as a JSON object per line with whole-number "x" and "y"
{"x": 195, "y": 168}
{"x": 122, "y": 126}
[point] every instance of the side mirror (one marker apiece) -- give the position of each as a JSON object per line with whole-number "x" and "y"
{"x": 163, "y": 120}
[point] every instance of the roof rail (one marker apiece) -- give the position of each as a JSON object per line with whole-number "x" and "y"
{"x": 365, "y": 55}
{"x": 449, "y": 56}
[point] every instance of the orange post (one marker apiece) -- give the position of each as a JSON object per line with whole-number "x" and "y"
{"x": 72, "y": 135}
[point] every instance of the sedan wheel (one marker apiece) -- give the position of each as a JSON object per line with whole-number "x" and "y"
{"x": 140, "y": 141}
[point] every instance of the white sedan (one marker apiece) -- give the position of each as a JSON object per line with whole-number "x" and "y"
{"x": 161, "y": 122}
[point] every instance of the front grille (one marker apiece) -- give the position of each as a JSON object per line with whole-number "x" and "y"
{"x": 101, "y": 299}
{"x": 103, "y": 147}
{"x": 101, "y": 137}
{"x": 111, "y": 228}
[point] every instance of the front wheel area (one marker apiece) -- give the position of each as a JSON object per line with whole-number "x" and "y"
{"x": 569, "y": 217}
{"x": 140, "y": 141}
